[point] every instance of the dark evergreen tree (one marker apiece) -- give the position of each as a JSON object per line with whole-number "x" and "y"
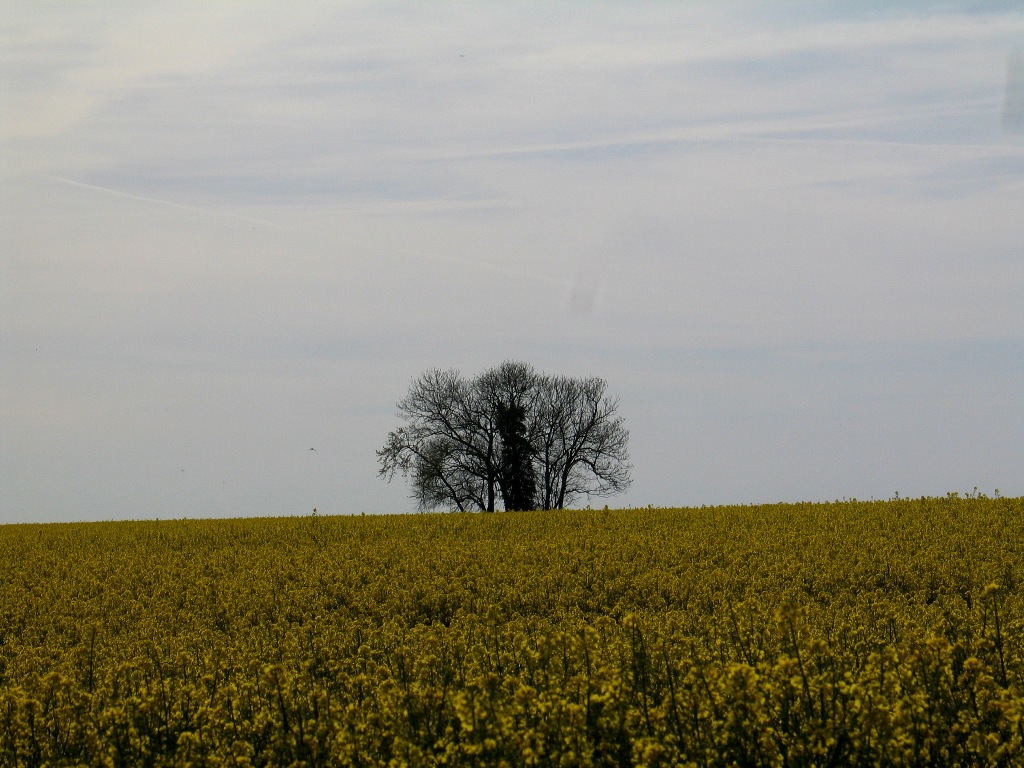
{"x": 517, "y": 480}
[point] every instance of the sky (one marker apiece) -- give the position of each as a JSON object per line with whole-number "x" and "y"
{"x": 790, "y": 236}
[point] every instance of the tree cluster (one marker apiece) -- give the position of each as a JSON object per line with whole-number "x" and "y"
{"x": 512, "y": 436}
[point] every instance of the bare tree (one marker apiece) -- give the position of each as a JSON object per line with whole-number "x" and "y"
{"x": 536, "y": 441}
{"x": 581, "y": 443}
{"x": 449, "y": 445}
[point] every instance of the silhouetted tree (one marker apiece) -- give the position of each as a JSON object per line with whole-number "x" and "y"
{"x": 449, "y": 445}
{"x": 511, "y": 390}
{"x": 581, "y": 444}
{"x": 536, "y": 441}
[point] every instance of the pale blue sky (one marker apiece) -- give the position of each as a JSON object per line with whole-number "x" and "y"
{"x": 790, "y": 237}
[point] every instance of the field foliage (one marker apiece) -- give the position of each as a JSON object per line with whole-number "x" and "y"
{"x": 853, "y": 633}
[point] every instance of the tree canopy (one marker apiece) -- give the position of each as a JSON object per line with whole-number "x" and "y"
{"x": 511, "y": 435}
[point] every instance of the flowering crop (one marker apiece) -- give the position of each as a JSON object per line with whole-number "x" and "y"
{"x": 854, "y": 633}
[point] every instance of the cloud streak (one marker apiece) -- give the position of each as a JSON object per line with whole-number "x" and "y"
{"x": 207, "y": 211}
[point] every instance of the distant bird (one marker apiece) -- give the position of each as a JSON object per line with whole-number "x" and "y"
{"x": 312, "y": 449}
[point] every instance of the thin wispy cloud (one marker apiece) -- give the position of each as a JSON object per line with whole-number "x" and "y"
{"x": 158, "y": 201}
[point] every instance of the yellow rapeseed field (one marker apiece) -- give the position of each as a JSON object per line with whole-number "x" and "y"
{"x": 852, "y": 633}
